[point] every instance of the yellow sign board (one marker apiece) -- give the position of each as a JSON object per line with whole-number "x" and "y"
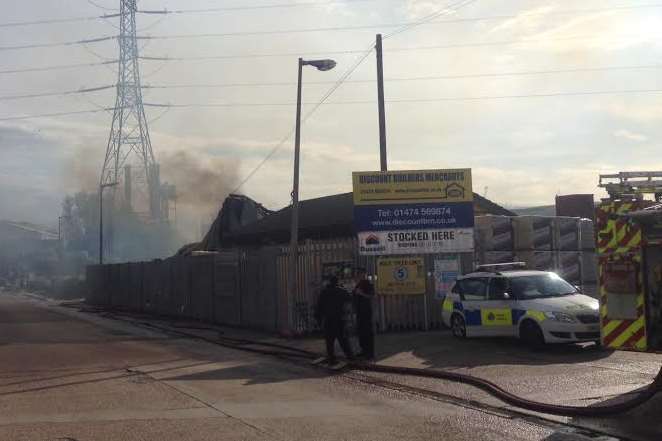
{"x": 412, "y": 187}
{"x": 404, "y": 275}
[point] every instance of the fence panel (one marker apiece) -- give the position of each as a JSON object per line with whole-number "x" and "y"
{"x": 135, "y": 294}
{"x": 121, "y": 289}
{"x": 227, "y": 300}
{"x": 202, "y": 287}
{"x": 259, "y": 289}
{"x": 180, "y": 304}
{"x": 94, "y": 278}
{"x": 151, "y": 286}
{"x": 165, "y": 300}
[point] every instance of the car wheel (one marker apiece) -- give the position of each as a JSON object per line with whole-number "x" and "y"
{"x": 532, "y": 335}
{"x": 458, "y": 327}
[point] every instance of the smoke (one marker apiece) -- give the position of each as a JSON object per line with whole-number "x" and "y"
{"x": 202, "y": 182}
{"x": 81, "y": 169}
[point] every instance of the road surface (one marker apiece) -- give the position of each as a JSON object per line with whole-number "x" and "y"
{"x": 71, "y": 376}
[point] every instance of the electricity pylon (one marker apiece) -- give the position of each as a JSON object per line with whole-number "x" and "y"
{"x": 129, "y": 161}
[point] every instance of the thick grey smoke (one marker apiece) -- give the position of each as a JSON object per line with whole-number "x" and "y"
{"x": 202, "y": 182}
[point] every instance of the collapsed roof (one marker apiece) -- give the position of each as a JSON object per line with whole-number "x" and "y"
{"x": 244, "y": 222}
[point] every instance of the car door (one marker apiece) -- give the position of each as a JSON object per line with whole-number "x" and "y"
{"x": 497, "y": 311}
{"x": 473, "y": 292}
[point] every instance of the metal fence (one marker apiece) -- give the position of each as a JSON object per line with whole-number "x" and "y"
{"x": 248, "y": 287}
{"x": 393, "y": 312}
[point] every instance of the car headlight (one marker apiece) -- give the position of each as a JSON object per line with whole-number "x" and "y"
{"x": 560, "y": 317}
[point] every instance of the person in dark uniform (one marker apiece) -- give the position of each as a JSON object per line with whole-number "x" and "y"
{"x": 364, "y": 293}
{"x": 331, "y": 314}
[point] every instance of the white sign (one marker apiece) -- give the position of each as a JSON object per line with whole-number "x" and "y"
{"x": 448, "y": 240}
{"x": 445, "y": 274}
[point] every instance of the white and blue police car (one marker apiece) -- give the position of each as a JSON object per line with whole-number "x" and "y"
{"x": 505, "y": 300}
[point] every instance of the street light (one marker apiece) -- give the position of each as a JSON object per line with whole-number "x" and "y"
{"x": 101, "y": 188}
{"x": 322, "y": 65}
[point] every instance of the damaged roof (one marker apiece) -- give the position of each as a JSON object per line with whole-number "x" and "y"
{"x": 323, "y": 218}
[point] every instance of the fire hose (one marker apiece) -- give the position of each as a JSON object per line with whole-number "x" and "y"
{"x": 284, "y": 351}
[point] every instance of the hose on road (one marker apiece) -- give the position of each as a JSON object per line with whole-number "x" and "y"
{"x": 493, "y": 389}
{"x": 625, "y": 405}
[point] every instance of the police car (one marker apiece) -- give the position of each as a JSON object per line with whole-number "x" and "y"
{"x": 505, "y": 300}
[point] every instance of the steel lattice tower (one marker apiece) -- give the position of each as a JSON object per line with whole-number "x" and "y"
{"x": 129, "y": 160}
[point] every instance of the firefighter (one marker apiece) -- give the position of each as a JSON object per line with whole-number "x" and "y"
{"x": 364, "y": 293}
{"x": 331, "y": 313}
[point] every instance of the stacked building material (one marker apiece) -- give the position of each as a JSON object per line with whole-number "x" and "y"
{"x": 562, "y": 244}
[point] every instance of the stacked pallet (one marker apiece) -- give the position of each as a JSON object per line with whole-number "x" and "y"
{"x": 562, "y": 244}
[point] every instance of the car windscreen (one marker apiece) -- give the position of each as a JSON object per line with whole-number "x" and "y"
{"x": 539, "y": 286}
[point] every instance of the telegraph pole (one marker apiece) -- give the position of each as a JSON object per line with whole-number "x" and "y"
{"x": 382, "y": 110}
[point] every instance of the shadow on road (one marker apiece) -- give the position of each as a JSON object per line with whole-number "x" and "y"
{"x": 441, "y": 350}
{"x": 252, "y": 374}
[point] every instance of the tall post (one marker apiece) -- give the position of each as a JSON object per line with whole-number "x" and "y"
{"x": 100, "y": 224}
{"x": 294, "y": 232}
{"x": 382, "y": 110}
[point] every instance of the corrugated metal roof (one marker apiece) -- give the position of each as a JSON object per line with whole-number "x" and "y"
{"x": 324, "y": 217}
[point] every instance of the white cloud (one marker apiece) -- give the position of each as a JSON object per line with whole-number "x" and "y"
{"x": 631, "y": 136}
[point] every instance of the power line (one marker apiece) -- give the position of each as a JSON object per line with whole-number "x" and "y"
{"x": 394, "y": 49}
{"x": 413, "y": 100}
{"x": 105, "y": 8}
{"x": 310, "y": 113}
{"x": 176, "y": 11}
{"x": 255, "y": 7}
{"x": 56, "y": 20}
{"x": 387, "y": 25}
{"x": 52, "y": 115}
{"x": 49, "y": 94}
{"x": 248, "y": 56}
{"x": 360, "y": 81}
{"x": 357, "y": 102}
{"x": 64, "y": 43}
{"x": 431, "y": 17}
{"x": 166, "y": 12}
{"x": 403, "y": 28}
{"x": 56, "y": 67}
{"x": 407, "y": 79}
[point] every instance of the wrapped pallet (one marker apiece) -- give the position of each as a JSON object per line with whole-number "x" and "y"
{"x": 589, "y": 267}
{"x": 494, "y": 257}
{"x": 493, "y": 233}
{"x": 533, "y": 233}
{"x": 569, "y": 266}
{"x": 566, "y": 233}
{"x": 587, "y": 234}
{"x": 537, "y": 260}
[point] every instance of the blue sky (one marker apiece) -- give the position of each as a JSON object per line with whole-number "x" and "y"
{"x": 523, "y": 150}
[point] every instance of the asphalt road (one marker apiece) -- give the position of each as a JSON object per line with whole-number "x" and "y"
{"x": 71, "y": 376}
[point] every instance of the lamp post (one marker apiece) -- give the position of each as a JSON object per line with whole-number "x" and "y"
{"x": 101, "y": 188}
{"x": 322, "y": 65}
